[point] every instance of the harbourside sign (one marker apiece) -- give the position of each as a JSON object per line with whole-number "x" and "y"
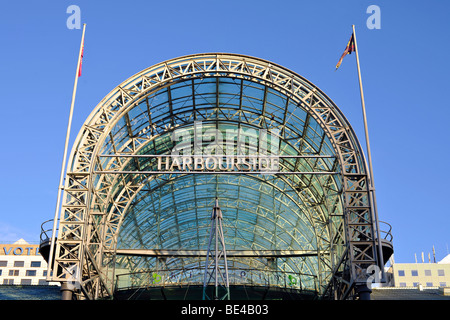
{"x": 212, "y": 150}
{"x": 200, "y": 149}
{"x": 218, "y": 163}
{"x": 241, "y": 150}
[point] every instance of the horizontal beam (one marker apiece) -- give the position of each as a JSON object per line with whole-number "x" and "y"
{"x": 161, "y": 253}
{"x": 215, "y": 156}
{"x": 190, "y": 164}
{"x": 217, "y": 172}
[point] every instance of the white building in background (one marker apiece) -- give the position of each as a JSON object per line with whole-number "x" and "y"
{"x": 21, "y": 264}
{"x": 423, "y": 275}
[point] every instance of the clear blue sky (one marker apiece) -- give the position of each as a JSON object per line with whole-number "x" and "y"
{"x": 405, "y": 68}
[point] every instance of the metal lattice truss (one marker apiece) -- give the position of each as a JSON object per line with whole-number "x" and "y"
{"x": 109, "y": 203}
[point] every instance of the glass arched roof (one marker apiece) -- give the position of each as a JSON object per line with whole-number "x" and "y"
{"x": 311, "y": 225}
{"x": 260, "y": 212}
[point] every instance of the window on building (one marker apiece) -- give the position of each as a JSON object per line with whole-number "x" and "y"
{"x": 402, "y": 284}
{"x": 3, "y": 263}
{"x": 35, "y": 264}
{"x": 0, "y": 272}
{"x": 25, "y": 281}
{"x": 44, "y": 273}
{"x": 442, "y": 284}
{"x": 43, "y": 282}
{"x": 414, "y": 273}
{"x": 428, "y": 272}
{"x": 415, "y": 284}
{"x": 401, "y": 273}
{"x": 8, "y": 281}
{"x": 429, "y": 284}
{"x": 19, "y": 264}
{"x": 30, "y": 273}
{"x": 441, "y": 273}
{"x": 13, "y": 273}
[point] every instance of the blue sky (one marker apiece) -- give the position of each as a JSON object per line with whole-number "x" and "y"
{"x": 405, "y": 70}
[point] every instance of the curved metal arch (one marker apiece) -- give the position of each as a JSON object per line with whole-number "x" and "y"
{"x": 129, "y": 92}
{"x": 75, "y": 234}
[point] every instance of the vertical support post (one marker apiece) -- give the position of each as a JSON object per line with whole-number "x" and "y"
{"x": 364, "y": 291}
{"x": 220, "y": 278}
{"x": 63, "y": 165}
{"x": 369, "y": 158}
{"x": 66, "y": 291}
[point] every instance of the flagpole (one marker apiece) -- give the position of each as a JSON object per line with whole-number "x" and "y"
{"x": 63, "y": 165}
{"x": 369, "y": 156}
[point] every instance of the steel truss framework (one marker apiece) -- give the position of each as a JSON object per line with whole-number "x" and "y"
{"x": 104, "y": 211}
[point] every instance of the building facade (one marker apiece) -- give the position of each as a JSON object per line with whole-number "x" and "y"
{"x": 426, "y": 275}
{"x": 21, "y": 264}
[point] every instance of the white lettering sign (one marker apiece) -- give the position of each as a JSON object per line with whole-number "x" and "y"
{"x": 240, "y": 149}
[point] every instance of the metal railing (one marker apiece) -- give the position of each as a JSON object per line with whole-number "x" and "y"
{"x": 47, "y": 231}
{"x": 386, "y": 231}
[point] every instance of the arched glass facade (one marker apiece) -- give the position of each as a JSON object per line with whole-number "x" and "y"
{"x": 261, "y": 212}
{"x": 134, "y": 223}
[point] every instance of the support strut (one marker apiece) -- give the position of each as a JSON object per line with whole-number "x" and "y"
{"x": 216, "y": 268}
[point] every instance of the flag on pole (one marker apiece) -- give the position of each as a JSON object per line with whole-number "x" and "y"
{"x": 348, "y": 50}
{"x": 81, "y": 59}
